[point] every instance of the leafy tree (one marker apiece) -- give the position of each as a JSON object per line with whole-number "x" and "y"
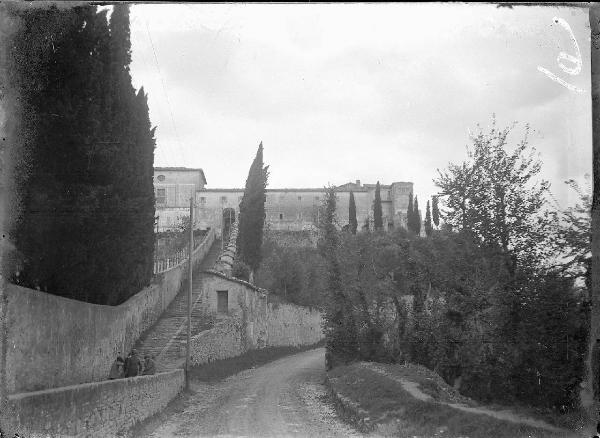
{"x": 252, "y": 213}
{"x": 377, "y": 213}
{"x": 416, "y": 218}
{"x": 352, "y": 214}
{"x": 494, "y": 197}
{"x": 435, "y": 211}
{"x": 428, "y": 226}
{"x": 572, "y": 236}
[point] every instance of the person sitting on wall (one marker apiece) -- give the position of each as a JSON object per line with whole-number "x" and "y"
{"x": 117, "y": 370}
{"x": 149, "y": 365}
{"x": 133, "y": 365}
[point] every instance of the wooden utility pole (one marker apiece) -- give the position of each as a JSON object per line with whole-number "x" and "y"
{"x": 189, "y": 316}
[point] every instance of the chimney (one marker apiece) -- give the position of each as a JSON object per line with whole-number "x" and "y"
{"x": 358, "y": 182}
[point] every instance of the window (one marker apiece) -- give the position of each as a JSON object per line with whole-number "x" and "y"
{"x": 299, "y": 198}
{"x": 222, "y": 301}
{"x": 316, "y": 198}
{"x": 161, "y": 178}
{"x": 202, "y": 200}
{"x": 161, "y": 195}
{"x": 280, "y": 216}
{"x": 223, "y": 199}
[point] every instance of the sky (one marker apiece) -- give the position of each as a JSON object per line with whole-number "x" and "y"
{"x": 370, "y": 92}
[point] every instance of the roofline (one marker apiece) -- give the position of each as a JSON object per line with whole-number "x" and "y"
{"x": 311, "y": 190}
{"x": 183, "y": 169}
{"x": 237, "y": 280}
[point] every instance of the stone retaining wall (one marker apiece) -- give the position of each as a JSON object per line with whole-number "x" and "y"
{"x": 99, "y": 409}
{"x": 223, "y": 341}
{"x": 251, "y": 322}
{"x": 53, "y": 341}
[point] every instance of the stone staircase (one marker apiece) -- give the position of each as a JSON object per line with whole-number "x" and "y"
{"x": 166, "y": 339}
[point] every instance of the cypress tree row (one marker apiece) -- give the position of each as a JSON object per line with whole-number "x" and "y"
{"x": 352, "y": 214}
{"x": 252, "y": 213}
{"x": 377, "y": 213}
{"x": 428, "y": 226}
{"x": 84, "y": 180}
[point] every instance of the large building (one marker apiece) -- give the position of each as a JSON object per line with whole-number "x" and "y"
{"x": 291, "y": 209}
{"x": 173, "y": 188}
{"x": 297, "y": 209}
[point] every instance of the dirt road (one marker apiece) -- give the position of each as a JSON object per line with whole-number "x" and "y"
{"x": 282, "y": 398}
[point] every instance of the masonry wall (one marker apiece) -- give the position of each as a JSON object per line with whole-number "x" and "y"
{"x": 221, "y": 342}
{"x": 291, "y": 325}
{"x": 297, "y": 209}
{"x": 99, "y": 409}
{"x": 252, "y": 322}
{"x": 53, "y": 341}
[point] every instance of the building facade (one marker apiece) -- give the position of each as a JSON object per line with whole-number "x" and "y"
{"x": 173, "y": 188}
{"x": 287, "y": 209}
{"x": 297, "y": 209}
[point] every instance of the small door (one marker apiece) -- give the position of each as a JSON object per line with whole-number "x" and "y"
{"x": 222, "y": 301}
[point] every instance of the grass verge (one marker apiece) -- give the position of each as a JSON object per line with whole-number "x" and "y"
{"x": 220, "y": 369}
{"x": 389, "y": 410}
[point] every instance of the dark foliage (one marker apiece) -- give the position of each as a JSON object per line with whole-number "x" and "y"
{"x": 339, "y": 325}
{"x": 377, "y": 213}
{"x": 352, "y": 214}
{"x": 435, "y": 211}
{"x": 252, "y": 213}
{"x": 428, "y": 225}
{"x": 416, "y": 218}
{"x": 84, "y": 182}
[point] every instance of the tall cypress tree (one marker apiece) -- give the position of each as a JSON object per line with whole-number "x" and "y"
{"x": 132, "y": 137}
{"x": 409, "y": 213}
{"x": 377, "y": 213}
{"x": 352, "y": 213}
{"x": 252, "y": 213}
{"x": 339, "y": 326}
{"x": 79, "y": 182}
{"x": 435, "y": 211}
{"x": 416, "y": 218}
{"x": 58, "y": 60}
{"x": 428, "y": 226}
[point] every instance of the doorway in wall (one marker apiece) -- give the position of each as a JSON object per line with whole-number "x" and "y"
{"x": 222, "y": 301}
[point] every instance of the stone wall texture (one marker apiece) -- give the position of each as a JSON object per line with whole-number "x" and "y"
{"x": 98, "y": 409}
{"x": 251, "y": 322}
{"x": 53, "y": 341}
{"x": 291, "y": 325}
{"x": 221, "y": 342}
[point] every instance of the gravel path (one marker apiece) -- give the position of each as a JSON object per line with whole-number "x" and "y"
{"x": 283, "y": 398}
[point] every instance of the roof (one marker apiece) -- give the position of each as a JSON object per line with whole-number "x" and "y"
{"x": 310, "y": 190}
{"x": 236, "y": 280}
{"x": 182, "y": 169}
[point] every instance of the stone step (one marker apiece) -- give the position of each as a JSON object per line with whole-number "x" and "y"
{"x": 169, "y": 334}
